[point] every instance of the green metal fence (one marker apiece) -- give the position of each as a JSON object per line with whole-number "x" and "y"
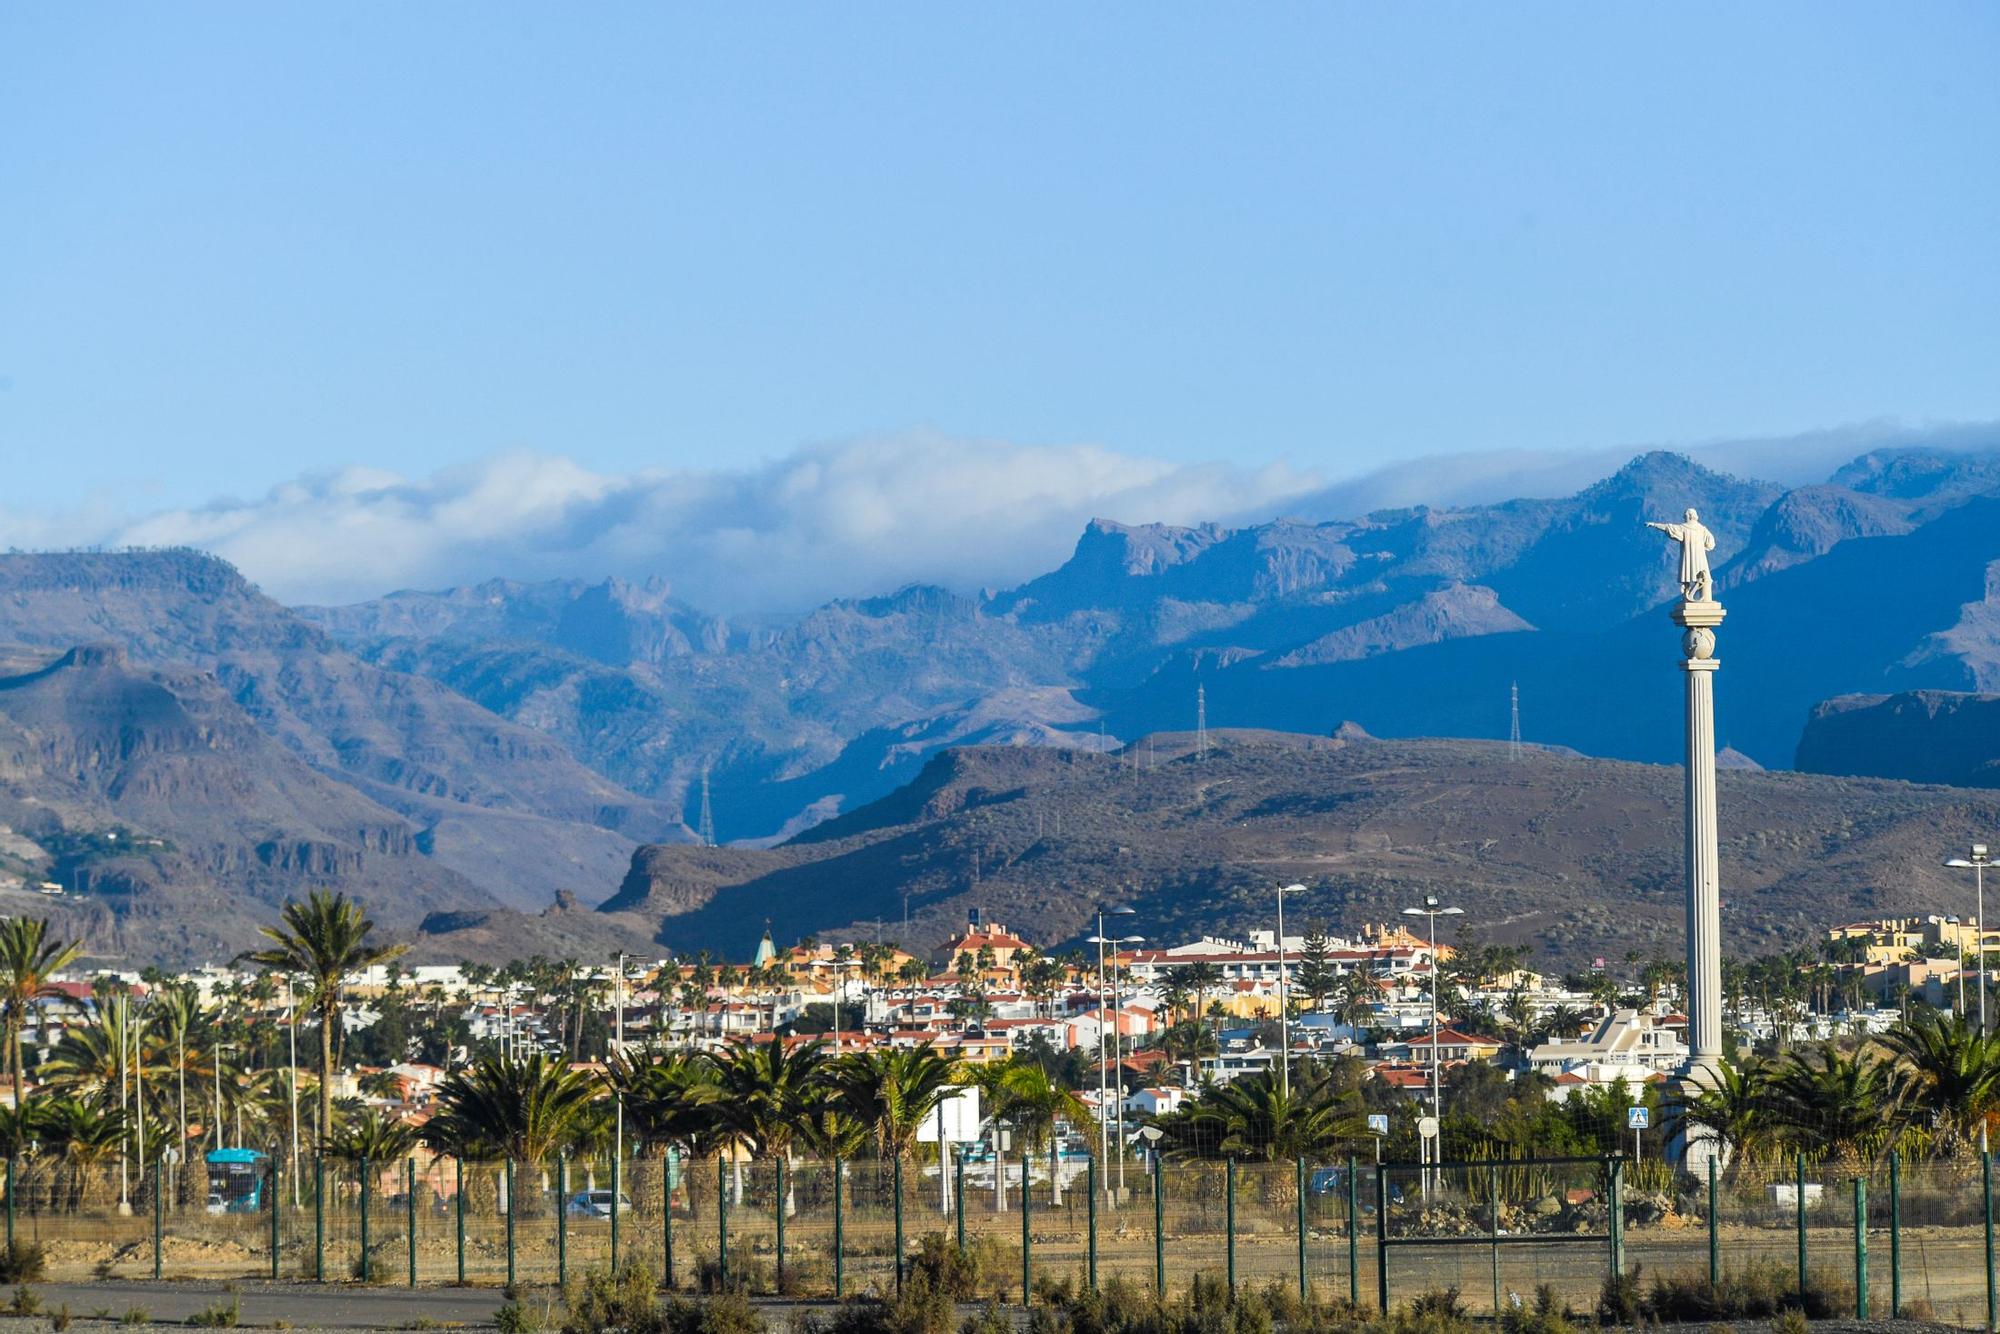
{"x": 1866, "y": 1238}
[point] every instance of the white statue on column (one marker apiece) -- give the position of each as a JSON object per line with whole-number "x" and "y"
{"x": 1699, "y": 615}
{"x": 1696, "y": 542}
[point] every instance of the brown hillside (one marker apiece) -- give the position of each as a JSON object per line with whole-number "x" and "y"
{"x": 1579, "y": 857}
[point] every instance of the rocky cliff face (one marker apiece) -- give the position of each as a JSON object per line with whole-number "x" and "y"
{"x": 1925, "y": 736}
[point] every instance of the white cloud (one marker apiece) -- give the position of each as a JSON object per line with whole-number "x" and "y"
{"x": 842, "y": 519}
{"x": 830, "y": 520}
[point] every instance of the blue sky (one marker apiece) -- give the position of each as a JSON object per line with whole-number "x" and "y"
{"x": 245, "y": 244}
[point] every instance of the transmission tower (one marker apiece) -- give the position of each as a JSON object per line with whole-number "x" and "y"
{"x": 707, "y": 830}
{"x": 1200, "y": 723}
{"x": 1514, "y": 721}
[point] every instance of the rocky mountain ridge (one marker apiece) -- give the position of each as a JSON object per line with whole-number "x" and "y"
{"x": 1416, "y": 621}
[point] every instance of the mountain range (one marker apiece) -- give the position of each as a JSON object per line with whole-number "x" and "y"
{"x": 489, "y": 762}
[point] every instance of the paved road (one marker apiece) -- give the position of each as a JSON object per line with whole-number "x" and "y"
{"x": 304, "y": 1306}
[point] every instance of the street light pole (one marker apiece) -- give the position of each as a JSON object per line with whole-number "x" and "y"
{"x": 1103, "y": 1059}
{"x": 1432, "y": 911}
{"x": 1284, "y": 999}
{"x": 1978, "y": 861}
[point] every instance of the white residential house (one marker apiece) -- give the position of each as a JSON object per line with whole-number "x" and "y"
{"x": 1155, "y": 1100}
{"x": 1637, "y": 1041}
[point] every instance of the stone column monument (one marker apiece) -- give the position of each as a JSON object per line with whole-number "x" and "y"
{"x": 1698, "y": 614}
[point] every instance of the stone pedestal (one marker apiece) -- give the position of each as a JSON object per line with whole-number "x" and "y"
{"x": 1698, "y": 621}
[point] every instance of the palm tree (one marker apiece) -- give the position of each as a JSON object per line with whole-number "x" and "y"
{"x": 1844, "y": 1102}
{"x": 1254, "y": 1117}
{"x": 672, "y": 1100}
{"x": 83, "y": 1137}
{"x": 1035, "y": 1103}
{"x": 371, "y": 1137}
{"x": 322, "y": 942}
{"x": 767, "y": 1091}
{"x": 28, "y": 961}
{"x": 519, "y": 1110}
{"x": 1734, "y": 1107}
{"x": 1946, "y": 1068}
{"x": 1185, "y": 1044}
{"x": 892, "y": 1091}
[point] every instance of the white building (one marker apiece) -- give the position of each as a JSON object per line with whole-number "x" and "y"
{"x": 1635, "y": 1041}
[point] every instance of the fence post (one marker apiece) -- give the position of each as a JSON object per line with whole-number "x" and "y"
{"x": 157, "y": 1207}
{"x": 1159, "y": 1229}
{"x": 367, "y": 1274}
{"x": 958, "y": 1192}
{"x": 319, "y": 1218}
{"x": 507, "y": 1178}
{"x": 721, "y": 1226}
{"x": 1895, "y": 1236}
{"x": 617, "y": 1195}
{"x": 1229, "y": 1222}
{"x": 10, "y": 1202}
{"x": 562, "y": 1220}
{"x": 1299, "y": 1181}
{"x": 1714, "y": 1227}
{"x": 458, "y": 1201}
{"x": 1986, "y": 1205}
{"x": 1493, "y": 1211}
{"x": 1617, "y": 1217}
{"x": 781, "y": 1225}
{"x": 1353, "y": 1235}
{"x": 1090, "y": 1217}
{"x": 839, "y": 1272}
{"x": 271, "y": 1178}
{"x": 410, "y": 1202}
{"x": 1860, "y": 1248}
{"x": 1799, "y": 1203}
{"x": 1382, "y": 1239}
{"x": 667, "y": 1216}
{"x": 1027, "y": 1242}
{"x": 899, "y": 1214}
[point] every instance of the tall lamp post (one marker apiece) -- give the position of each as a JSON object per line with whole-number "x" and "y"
{"x": 221, "y": 1140}
{"x": 1103, "y": 1069}
{"x": 1117, "y": 1048}
{"x": 839, "y": 990}
{"x": 1284, "y": 1000}
{"x": 1433, "y": 911}
{"x": 1977, "y": 863}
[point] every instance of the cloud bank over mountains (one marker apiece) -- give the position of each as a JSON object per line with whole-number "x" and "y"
{"x": 828, "y": 520}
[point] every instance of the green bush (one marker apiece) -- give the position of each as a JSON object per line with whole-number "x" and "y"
{"x": 25, "y": 1301}
{"x": 625, "y": 1300}
{"x": 23, "y": 1262}
{"x": 222, "y": 1315}
{"x": 515, "y": 1318}
{"x": 1791, "y": 1322}
{"x": 1548, "y": 1314}
{"x": 1620, "y": 1301}
{"x": 1758, "y": 1290}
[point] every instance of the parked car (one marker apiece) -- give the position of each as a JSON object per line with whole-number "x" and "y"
{"x": 597, "y": 1204}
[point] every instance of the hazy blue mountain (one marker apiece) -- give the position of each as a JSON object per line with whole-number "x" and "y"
{"x": 1414, "y": 621}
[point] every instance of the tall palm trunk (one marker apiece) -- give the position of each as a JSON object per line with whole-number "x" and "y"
{"x": 325, "y": 1070}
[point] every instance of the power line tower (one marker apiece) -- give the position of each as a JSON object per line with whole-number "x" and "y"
{"x": 1514, "y": 721}
{"x": 707, "y": 831}
{"x": 1200, "y": 723}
